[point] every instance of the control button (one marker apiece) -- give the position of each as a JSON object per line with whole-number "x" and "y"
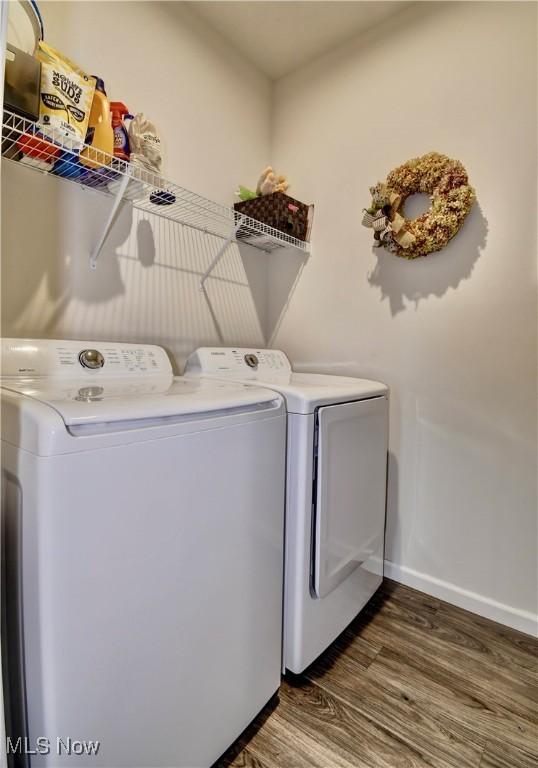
{"x": 251, "y": 361}
{"x": 87, "y": 394}
{"x": 91, "y": 358}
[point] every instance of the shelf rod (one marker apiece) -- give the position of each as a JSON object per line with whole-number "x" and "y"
{"x": 119, "y": 195}
{"x": 222, "y": 250}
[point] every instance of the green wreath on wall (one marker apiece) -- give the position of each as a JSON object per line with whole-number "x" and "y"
{"x": 447, "y": 184}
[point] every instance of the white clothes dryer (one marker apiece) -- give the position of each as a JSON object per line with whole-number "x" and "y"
{"x": 336, "y": 491}
{"x": 143, "y": 535}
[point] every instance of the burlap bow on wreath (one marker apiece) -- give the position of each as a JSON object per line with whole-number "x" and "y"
{"x": 384, "y": 219}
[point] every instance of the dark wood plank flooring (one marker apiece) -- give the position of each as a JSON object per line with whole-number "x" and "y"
{"x": 412, "y": 682}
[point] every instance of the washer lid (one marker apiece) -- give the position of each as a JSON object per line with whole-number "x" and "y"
{"x": 89, "y": 401}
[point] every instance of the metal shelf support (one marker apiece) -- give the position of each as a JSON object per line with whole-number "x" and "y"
{"x": 110, "y": 221}
{"x": 222, "y": 250}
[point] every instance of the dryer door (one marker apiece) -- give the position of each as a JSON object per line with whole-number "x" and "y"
{"x": 351, "y": 488}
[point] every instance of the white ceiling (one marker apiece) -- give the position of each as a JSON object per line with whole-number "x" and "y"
{"x": 278, "y": 37}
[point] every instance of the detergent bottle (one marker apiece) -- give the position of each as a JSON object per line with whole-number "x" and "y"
{"x": 121, "y": 137}
{"x": 100, "y": 133}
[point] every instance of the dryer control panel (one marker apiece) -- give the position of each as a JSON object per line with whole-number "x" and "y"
{"x": 64, "y": 359}
{"x": 239, "y": 361}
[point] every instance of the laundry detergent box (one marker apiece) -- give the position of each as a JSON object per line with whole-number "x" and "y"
{"x": 66, "y": 96}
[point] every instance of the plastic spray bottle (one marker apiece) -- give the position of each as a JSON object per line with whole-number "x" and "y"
{"x": 121, "y": 137}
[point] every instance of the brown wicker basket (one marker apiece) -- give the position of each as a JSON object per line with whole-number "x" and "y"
{"x": 281, "y": 212}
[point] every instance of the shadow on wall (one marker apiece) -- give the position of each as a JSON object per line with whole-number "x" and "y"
{"x": 400, "y": 280}
{"x": 146, "y": 287}
{"x": 46, "y": 244}
{"x": 284, "y": 270}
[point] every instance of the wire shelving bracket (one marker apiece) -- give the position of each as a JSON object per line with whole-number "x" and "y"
{"x": 110, "y": 221}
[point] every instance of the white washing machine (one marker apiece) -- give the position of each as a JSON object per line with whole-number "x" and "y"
{"x": 142, "y": 556}
{"x": 336, "y": 489}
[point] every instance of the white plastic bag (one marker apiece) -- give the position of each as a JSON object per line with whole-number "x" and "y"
{"x": 145, "y": 144}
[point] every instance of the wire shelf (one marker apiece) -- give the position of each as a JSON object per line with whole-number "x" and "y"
{"x": 48, "y": 150}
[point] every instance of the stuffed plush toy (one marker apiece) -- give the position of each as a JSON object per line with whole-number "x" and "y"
{"x": 268, "y": 183}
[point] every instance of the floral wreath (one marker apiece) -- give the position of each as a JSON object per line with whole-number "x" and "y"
{"x": 452, "y": 197}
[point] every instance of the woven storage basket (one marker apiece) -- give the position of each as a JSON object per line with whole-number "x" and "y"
{"x": 281, "y": 212}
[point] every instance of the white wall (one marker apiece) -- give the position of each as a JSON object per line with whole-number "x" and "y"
{"x": 454, "y": 335}
{"x": 212, "y": 110}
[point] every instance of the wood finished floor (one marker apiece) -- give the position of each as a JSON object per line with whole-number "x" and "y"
{"x": 412, "y": 682}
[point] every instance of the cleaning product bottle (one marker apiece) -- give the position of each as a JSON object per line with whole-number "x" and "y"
{"x": 121, "y": 137}
{"x": 100, "y": 133}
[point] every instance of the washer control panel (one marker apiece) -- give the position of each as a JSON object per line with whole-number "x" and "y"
{"x": 255, "y": 363}
{"x": 45, "y": 357}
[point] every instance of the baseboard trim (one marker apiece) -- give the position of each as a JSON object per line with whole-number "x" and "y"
{"x": 523, "y": 621}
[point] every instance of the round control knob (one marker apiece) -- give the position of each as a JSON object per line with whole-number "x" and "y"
{"x": 251, "y": 361}
{"x": 91, "y": 358}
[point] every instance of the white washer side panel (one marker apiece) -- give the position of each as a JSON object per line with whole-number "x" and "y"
{"x": 351, "y": 487}
{"x": 312, "y": 624}
{"x": 153, "y": 593}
